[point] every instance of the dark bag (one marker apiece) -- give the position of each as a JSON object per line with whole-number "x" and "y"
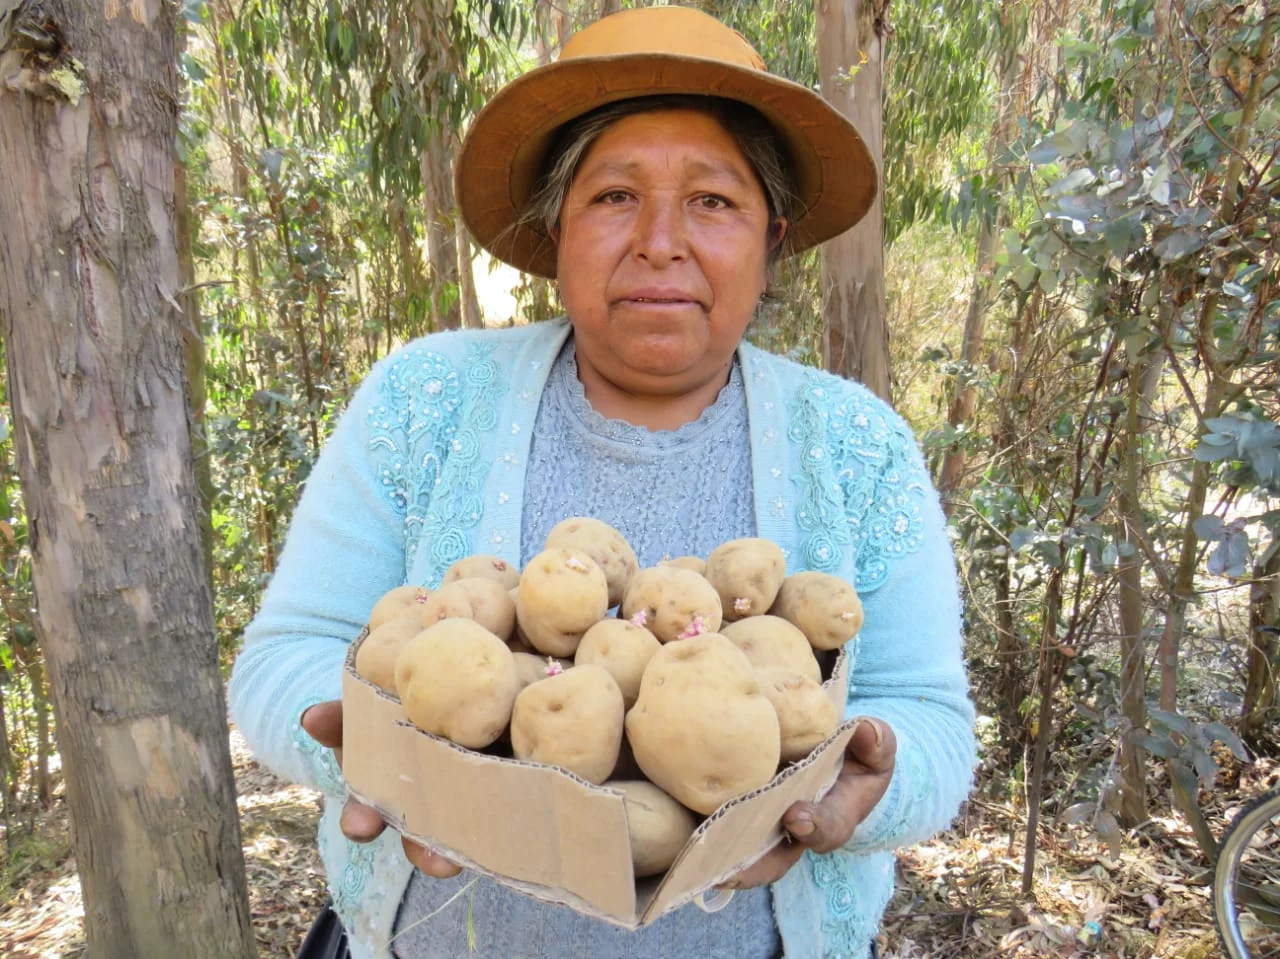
{"x": 326, "y": 939}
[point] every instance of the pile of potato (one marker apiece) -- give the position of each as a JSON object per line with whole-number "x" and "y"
{"x": 704, "y": 683}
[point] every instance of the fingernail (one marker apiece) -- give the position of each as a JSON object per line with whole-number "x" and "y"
{"x": 802, "y": 826}
{"x": 875, "y": 728}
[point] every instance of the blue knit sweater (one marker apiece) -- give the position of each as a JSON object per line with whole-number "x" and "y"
{"x": 429, "y": 465}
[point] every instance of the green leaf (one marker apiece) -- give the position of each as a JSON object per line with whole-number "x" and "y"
{"x": 1175, "y": 722}
{"x": 1161, "y": 746}
{"x": 1072, "y": 182}
{"x": 1208, "y": 527}
{"x": 1217, "y": 732}
{"x": 1178, "y": 244}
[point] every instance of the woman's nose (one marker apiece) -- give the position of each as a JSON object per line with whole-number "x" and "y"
{"x": 660, "y": 234}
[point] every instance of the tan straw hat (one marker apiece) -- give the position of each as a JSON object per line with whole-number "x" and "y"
{"x": 645, "y": 52}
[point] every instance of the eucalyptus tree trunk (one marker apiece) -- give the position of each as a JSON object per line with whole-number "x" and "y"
{"x": 442, "y": 242}
{"x": 851, "y": 41}
{"x": 1133, "y": 660}
{"x": 89, "y": 274}
{"x": 472, "y": 319}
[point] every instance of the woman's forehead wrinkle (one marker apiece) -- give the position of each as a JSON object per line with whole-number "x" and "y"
{"x": 693, "y": 166}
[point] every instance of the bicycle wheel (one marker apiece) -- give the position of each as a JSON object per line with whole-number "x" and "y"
{"x": 1246, "y": 882}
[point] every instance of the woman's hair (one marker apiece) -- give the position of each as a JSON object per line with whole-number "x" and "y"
{"x": 753, "y": 134}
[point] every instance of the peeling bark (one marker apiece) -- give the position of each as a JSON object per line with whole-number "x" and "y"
{"x": 89, "y": 280}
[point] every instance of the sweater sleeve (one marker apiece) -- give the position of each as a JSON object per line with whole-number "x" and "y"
{"x": 344, "y": 549}
{"x": 907, "y": 665}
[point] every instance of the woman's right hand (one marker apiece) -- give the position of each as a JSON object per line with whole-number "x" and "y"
{"x": 361, "y": 823}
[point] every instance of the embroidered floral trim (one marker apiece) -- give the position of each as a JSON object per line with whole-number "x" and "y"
{"x": 846, "y": 933}
{"x": 875, "y": 504}
{"x": 348, "y": 885}
{"x": 321, "y": 758}
{"x": 428, "y": 461}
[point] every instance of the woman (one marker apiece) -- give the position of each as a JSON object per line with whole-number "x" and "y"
{"x": 655, "y": 171}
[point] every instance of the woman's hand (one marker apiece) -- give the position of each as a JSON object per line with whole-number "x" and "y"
{"x": 361, "y": 823}
{"x": 827, "y": 825}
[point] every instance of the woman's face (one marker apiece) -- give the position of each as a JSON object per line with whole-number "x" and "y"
{"x": 662, "y": 246}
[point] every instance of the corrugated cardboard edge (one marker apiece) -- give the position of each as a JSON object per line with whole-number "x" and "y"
{"x": 382, "y": 744}
{"x": 581, "y": 855}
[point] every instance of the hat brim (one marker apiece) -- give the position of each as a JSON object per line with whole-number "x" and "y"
{"x": 504, "y": 150}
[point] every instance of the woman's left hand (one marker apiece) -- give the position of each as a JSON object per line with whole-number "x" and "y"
{"x": 827, "y": 825}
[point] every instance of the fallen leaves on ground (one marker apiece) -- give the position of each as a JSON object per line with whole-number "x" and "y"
{"x": 958, "y": 895}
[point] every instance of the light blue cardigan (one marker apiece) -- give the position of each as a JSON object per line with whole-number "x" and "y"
{"x": 427, "y": 466}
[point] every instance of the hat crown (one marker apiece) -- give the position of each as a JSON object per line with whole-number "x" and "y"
{"x": 666, "y": 31}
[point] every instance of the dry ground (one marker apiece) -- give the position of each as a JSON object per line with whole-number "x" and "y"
{"x": 958, "y": 895}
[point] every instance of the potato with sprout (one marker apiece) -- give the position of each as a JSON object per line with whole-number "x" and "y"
{"x": 483, "y": 566}
{"x": 621, "y": 647}
{"x": 563, "y": 593}
{"x": 572, "y": 720}
{"x": 530, "y": 667}
{"x": 604, "y": 544}
{"x": 401, "y": 601}
{"x": 746, "y": 573}
{"x": 672, "y": 603}
{"x": 823, "y": 607}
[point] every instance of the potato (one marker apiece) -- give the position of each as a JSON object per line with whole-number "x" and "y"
{"x": 572, "y": 720}
{"x": 823, "y": 607}
{"x": 483, "y": 566}
{"x": 657, "y": 825}
{"x": 396, "y": 603}
{"x": 376, "y": 657}
{"x": 672, "y": 603}
{"x": 770, "y": 642}
{"x": 621, "y": 647}
{"x": 479, "y": 599}
{"x": 530, "y": 667}
{"x": 695, "y": 563}
{"x": 746, "y": 573}
{"x": 806, "y": 714}
{"x": 458, "y": 680}
{"x": 604, "y": 544}
{"x": 563, "y": 593}
{"x": 701, "y": 729}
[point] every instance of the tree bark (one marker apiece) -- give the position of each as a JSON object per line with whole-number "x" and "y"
{"x": 1133, "y": 660}
{"x": 442, "y": 244}
{"x": 851, "y": 40}
{"x": 1261, "y": 662}
{"x": 472, "y": 319}
{"x": 1185, "y": 576}
{"x": 89, "y": 275}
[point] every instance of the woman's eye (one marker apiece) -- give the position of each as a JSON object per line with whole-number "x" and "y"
{"x": 614, "y": 196}
{"x": 710, "y": 201}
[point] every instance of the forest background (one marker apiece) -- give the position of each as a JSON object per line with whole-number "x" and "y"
{"x": 1077, "y": 309}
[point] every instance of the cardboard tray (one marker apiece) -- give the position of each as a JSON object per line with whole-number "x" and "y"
{"x": 544, "y": 831}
